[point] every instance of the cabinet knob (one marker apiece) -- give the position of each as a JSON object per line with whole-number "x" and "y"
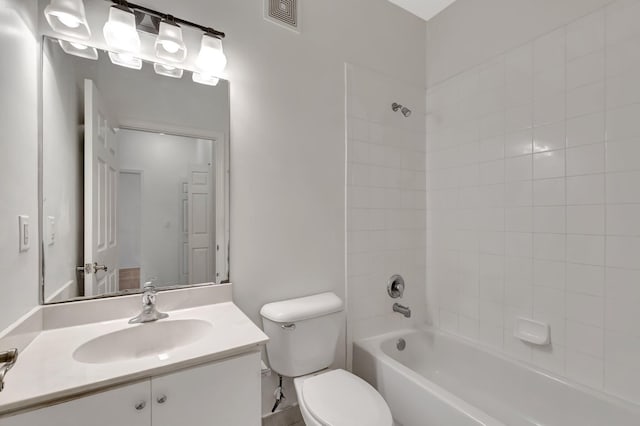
{"x": 140, "y": 405}
{"x": 162, "y": 399}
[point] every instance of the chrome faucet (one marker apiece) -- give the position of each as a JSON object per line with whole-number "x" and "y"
{"x": 149, "y": 312}
{"x": 404, "y": 310}
{"x": 8, "y": 360}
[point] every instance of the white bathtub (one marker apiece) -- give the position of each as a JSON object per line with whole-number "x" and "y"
{"x": 442, "y": 380}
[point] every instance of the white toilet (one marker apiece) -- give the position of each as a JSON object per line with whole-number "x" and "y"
{"x": 303, "y": 336}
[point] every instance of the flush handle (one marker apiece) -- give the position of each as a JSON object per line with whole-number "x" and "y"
{"x": 288, "y": 327}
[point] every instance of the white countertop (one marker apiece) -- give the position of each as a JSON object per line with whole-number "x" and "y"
{"x": 46, "y": 370}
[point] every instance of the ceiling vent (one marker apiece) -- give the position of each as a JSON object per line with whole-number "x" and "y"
{"x": 283, "y": 12}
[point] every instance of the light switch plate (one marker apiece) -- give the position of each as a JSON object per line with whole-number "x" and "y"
{"x": 51, "y": 230}
{"x": 25, "y": 238}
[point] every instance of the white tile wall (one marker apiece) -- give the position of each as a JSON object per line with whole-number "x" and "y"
{"x": 386, "y": 201}
{"x": 533, "y": 199}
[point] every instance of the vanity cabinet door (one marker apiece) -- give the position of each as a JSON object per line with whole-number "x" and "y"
{"x": 224, "y": 393}
{"x": 125, "y": 406}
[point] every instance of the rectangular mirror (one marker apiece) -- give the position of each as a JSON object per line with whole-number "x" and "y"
{"x": 134, "y": 177}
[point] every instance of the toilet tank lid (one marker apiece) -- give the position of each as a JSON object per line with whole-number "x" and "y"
{"x": 302, "y": 308}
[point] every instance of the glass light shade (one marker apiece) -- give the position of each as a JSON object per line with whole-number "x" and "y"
{"x": 169, "y": 44}
{"x": 68, "y": 17}
{"x": 211, "y": 59}
{"x": 168, "y": 70}
{"x": 78, "y": 49}
{"x": 125, "y": 60}
{"x": 206, "y": 79}
{"x": 120, "y": 30}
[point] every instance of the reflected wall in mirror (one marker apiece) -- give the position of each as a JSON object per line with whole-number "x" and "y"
{"x": 134, "y": 172}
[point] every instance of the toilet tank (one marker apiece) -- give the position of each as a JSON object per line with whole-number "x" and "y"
{"x": 303, "y": 333}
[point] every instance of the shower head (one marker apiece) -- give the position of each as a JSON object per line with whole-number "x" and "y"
{"x": 403, "y": 109}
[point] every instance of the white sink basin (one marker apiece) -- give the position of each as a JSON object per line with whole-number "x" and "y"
{"x": 142, "y": 340}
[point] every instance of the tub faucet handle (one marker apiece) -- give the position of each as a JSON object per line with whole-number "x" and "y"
{"x": 395, "y": 286}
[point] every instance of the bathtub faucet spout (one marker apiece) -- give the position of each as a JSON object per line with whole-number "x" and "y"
{"x": 404, "y": 310}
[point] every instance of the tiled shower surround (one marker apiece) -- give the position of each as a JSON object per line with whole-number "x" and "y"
{"x": 533, "y": 199}
{"x": 386, "y": 215}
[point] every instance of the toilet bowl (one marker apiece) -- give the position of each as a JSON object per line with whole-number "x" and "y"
{"x": 339, "y": 398}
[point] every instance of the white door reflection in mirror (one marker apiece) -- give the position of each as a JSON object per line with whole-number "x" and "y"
{"x": 129, "y": 224}
{"x": 200, "y": 225}
{"x": 184, "y": 242}
{"x": 100, "y": 196}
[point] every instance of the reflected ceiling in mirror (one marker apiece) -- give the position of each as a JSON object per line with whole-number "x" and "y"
{"x": 134, "y": 177}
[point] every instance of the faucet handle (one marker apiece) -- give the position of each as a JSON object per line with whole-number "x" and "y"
{"x": 149, "y": 287}
{"x": 151, "y": 282}
{"x": 148, "y": 294}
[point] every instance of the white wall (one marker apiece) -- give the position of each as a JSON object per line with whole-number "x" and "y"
{"x": 386, "y": 202}
{"x": 470, "y": 31}
{"x": 164, "y": 161}
{"x": 533, "y": 200}
{"x": 62, "y": 164}
{"x": 288, "y": 140}
{"x": 19, "y": 159}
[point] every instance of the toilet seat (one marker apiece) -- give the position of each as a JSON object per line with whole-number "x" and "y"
{"x": 339, "y": 398}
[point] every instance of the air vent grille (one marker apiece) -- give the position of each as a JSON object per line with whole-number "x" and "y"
{"x": 284, "y": 12}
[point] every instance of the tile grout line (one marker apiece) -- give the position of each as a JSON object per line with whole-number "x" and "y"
{"x": 605, "y": 201}
{"x": 565, "y": 177}
{"x": 533, "y": 108}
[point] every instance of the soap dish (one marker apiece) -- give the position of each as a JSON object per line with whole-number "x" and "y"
{"x": 534, "y": 332}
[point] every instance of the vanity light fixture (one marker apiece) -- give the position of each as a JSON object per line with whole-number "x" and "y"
{"x": 211, "y": 60}
{"x": 120, "y": 30}
{"x": 68, "y": 17}
{"x": 121, "y": 34}
{"x": 79, "y": 49}
{"x": 169, "y": 44}
{"x": 206, "y": 79}
{"x": 168, "y": 70}
{"x": 126, "y": 60}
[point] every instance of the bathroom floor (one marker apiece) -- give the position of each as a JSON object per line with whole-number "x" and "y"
{"x": 288, "y": 417}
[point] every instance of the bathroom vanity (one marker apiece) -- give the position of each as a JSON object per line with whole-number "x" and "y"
{"x": 215, "y": 393}
{"x": 201, "y": 365}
